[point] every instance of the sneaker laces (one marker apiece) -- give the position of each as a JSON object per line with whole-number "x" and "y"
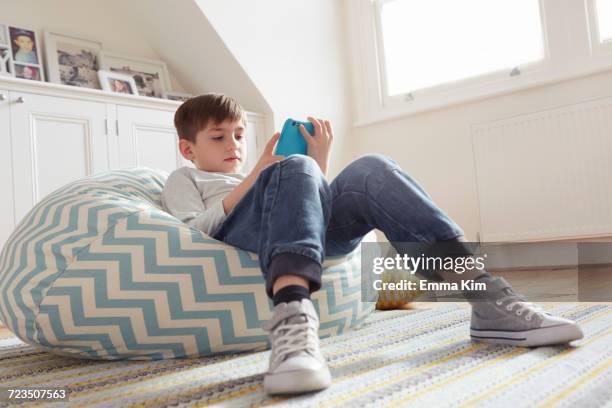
{"x": 294, "y": 337}
{"x": 521, "y": 302}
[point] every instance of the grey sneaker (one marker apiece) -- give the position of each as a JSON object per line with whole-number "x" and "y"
{"x": 296, "y": 362}
{"x": 506, "y": 317}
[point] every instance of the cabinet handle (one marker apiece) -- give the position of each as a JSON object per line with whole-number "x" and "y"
{"x": 2, "y": 97}
{"x": 20, "y": 100}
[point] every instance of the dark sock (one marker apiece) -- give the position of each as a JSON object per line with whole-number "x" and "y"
{"x": 485, "y": 274}
{"x": 289, "y": 293}
{"x": 459, "y": 247}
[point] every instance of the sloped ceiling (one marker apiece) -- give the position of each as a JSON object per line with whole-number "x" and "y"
{"x": 181, "y": 34}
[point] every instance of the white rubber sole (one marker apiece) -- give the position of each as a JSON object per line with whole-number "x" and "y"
{"x": 294, "y": 382}
{"x": 559, "y": 334}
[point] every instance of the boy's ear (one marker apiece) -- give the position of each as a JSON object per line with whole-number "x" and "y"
{"x": 186, "y": 149}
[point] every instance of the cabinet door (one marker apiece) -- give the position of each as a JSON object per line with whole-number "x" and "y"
{"x": 147, "y": 138}
{"x": 7, "y": 220}
{"x": 254, "y": 131}
{"x": 55, "y": 141}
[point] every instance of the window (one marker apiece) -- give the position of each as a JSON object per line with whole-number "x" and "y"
{"x": 604, "y": 19}
{"x": 487, "y": 36}
{"x": 599, "y": 16}
{"x": 412, "y": 56}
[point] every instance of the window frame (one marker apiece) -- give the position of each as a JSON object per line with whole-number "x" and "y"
{"x": 500, "y": 75}
{"x": 569, "y": 54}
{"x": 598, "y": 47}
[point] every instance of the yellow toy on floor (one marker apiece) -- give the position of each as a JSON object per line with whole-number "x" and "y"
{"x": 396, "y": 299}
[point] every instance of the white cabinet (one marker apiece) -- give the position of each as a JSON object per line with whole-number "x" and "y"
{"x": 254, "y": 131}
{"x": 148, "y": 138}
{"x": 52, "y": 134}
{"x": 7, "y": 217}
{"x": 54, "y": 141}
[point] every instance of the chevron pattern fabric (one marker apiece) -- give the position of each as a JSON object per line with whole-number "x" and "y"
{"x": 98, "y": 270}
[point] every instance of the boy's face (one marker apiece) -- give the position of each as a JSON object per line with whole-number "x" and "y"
{"x": 24, "y": 43}
{"x": 217, "y": 146}
{"x": 28, "y": 73}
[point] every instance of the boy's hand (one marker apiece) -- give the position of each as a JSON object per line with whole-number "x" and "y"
{"x": 319, "y": 144}
{"x": 267, "y": 157}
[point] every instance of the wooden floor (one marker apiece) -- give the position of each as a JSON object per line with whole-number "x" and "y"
{"x": 589, "y": 284}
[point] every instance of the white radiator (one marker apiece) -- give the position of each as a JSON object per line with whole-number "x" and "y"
{"x": 546, "y": 175}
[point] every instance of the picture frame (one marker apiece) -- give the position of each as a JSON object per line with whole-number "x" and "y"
{"x": 27, "y": 71}
{"x": 4, "y": 37}
{"x": 177, "y": 96}
{"x": 24, "y": 57}
{"x": 72, "y": 60}
{"x": 151, "y": 76}
{"x": 117, "y": 82}
{"x": 6, "y": 61}
{"x": 6, "y": 57}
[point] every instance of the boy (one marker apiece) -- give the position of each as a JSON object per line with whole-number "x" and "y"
{"x": 24, "y": 45}
{"x": 285, "y": 210}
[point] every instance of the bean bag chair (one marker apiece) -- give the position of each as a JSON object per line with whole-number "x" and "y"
{"x": 98, "y": 270}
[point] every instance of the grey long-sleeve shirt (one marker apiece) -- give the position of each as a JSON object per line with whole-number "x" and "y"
{"x": 194, "y": 196}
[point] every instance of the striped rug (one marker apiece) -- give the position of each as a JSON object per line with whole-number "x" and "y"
{"x": 417, "y": 357}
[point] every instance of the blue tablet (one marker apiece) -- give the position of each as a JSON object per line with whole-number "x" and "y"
{"x": 291, "y": 140}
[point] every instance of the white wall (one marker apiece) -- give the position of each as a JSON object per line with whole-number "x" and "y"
{"x": 436, "y": 147}
{"x": 295, "y": 53}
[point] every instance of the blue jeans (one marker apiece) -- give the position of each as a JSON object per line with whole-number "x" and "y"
{"x": 292, "y": 218}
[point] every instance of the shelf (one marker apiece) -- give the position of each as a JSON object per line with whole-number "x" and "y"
{"x": 98, "y": 95}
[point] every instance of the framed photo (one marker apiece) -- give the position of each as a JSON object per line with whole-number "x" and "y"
{"x": 177, "y": 96}
{"x": 27, "y": 71}
{"x": 20, "y": 53}
{"x": 6, "y": 61}
{"x": 151, "y": 76}
{"x": 6, "y": 53}
{"x": 72, "y": 60}
{"x": 4, "y": 39}
{"x": 25, "y": 46}
{"x": 118, "y": 83}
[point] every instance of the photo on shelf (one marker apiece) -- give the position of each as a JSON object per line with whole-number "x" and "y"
{"x": 177, "y": 96}
{"x": 3, "y": 35}
{"x": 26, "y": 71}
{"x": 23, "y": 60}
{"x": 72, "y": 60}
{"x": 151, "y": 76}
{"x": 6, "y": 59}
{"x": 24, "y": 46}
{"x": 6, "y": 62}
{"x": 118, "y": 83}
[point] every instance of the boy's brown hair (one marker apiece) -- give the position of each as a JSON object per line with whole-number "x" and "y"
{"x": 195, "y": 113}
